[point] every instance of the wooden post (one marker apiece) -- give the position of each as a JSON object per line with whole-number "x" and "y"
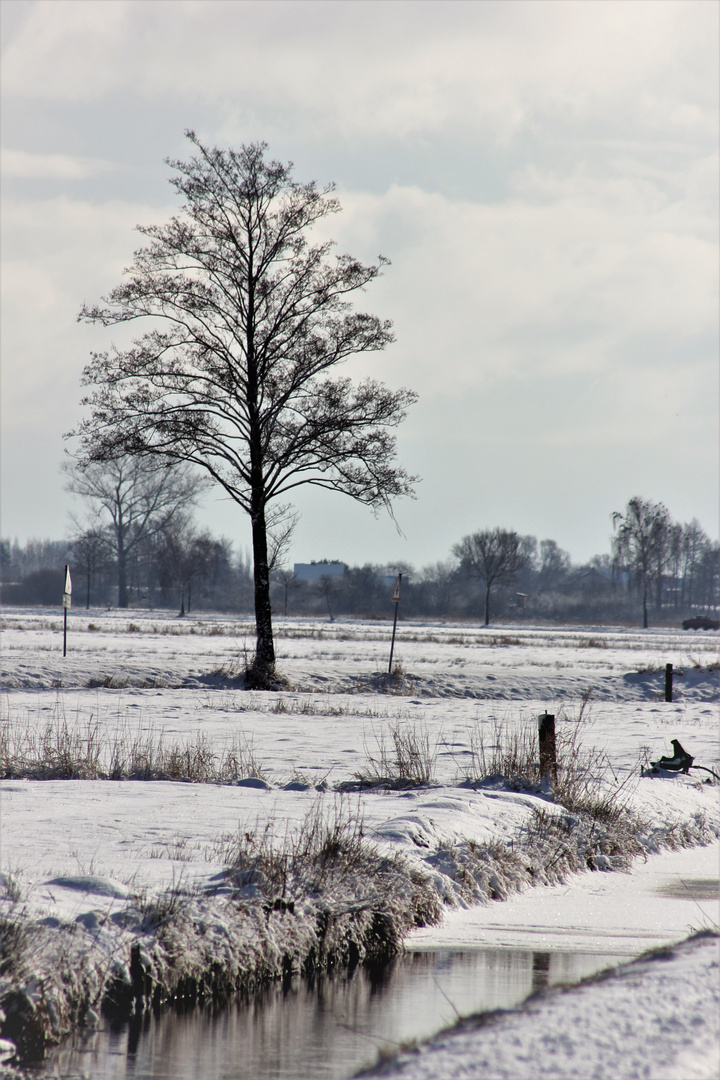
{"x": 396, "y": 601}
{"x": 668, "y": 682}
{"x": 546, "y": 739}
{"x": 67, "y": 600}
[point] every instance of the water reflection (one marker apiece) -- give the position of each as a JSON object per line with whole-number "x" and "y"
{"x": 329, "y": 1029}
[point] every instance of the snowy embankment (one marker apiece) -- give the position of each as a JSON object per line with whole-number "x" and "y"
{"x": 118, "y": 893}
{"x": 657, "y": 1018}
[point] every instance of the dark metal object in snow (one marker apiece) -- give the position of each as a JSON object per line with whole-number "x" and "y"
{"x": 668, "y": 682}
{"x": 546, "y": 738}
{"x": 679, "y": 762}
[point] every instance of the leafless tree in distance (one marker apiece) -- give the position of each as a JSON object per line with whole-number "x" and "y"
{"x": 91, "y": 552}
{"x": 493, "y": 556}
{"x": 138, "y": 496}
{"x": 641, "y": 542}
{"x": 248, "y": 314}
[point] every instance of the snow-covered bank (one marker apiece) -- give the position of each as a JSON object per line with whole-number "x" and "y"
{"x": 656, "y": 1018}
{"x": 664, "y": 898}
{"x": 341, "y": 888}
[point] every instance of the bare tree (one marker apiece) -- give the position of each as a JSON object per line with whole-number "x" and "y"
{"x": 328, "y": 586}
{"x": 91, "y": 552}
{"x": 286, "y": 578}
{"x": 641, "y": 541}
{"x": 138, "y": 495}
{"x": 694, "y": 543}
{"x": 247, "y": 318}
{"x": 554, "y": 565}
{"x": 438, "y": 584}
{"x": 185, "y": 556}
{"x": 493, "y": 556}
{"x": 280, "y": 523}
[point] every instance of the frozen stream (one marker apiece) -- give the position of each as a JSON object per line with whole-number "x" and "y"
{"x": 468, "y": 965}
{"x": 326, "y": 1031}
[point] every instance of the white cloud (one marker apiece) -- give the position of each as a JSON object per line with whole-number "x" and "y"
{"x": 383, "y": 69}
{"x": 56, "y": 254}
{"x": 569, "y": 285}
{"x": 25, "y": 166}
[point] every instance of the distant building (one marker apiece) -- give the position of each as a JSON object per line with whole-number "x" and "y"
{"x": 314, "y": 570}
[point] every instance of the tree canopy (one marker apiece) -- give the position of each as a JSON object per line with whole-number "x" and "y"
{"x": 249, "y": 315}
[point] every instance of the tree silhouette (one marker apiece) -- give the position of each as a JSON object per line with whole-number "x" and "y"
{"x": 248, "y": 316}
{"x": 493, "y": 556}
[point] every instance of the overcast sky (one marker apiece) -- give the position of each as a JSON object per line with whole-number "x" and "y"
{"x": 542, "y": 175}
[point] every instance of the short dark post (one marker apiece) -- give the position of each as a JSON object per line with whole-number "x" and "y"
{"x": 546, "y": 738}
{"x": 668, "y": 682}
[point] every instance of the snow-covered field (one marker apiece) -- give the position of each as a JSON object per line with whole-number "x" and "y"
{"x": 79, "y": 852}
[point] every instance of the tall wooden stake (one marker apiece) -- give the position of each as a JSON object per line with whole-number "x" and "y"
{"x": 67, "y": 600}
{"x": 396, "y": 601}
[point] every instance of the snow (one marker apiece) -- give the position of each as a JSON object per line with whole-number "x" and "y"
{"x": 664, "y": 898}
{"x": 81, "y": 851}
{"x": 657, "y": 1018}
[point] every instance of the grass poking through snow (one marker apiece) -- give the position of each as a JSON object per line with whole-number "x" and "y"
{"x": 403, "y": 757}
{"x": 55, "y": 749}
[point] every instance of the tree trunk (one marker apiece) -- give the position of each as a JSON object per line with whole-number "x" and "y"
{"x": 645, "y": 618}
{"x": 264, "y": 650}
{"x": 123, "y": 598}
{"x": 87, "y": 605}
{"x": 487, "y": 605}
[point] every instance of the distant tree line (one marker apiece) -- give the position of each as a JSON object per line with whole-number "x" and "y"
{"x": 657, "y": 570}
{"x": 176, "y": 568}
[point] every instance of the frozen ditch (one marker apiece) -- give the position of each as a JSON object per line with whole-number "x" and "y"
{"x": 478, "y": 960}
{"x": 322, "y": 1030}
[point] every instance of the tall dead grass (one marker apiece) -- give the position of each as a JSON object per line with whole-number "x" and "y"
{"x": 586, "y": 781}
{"x": 57, "y": 749}
{"x": 329, "y": 856}
{"x": 404, "y": 756}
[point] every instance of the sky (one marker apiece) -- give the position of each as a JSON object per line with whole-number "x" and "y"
{"x": 542, "y": 175}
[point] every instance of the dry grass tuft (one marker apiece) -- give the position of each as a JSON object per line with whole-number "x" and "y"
{"x": 403, "y": 757}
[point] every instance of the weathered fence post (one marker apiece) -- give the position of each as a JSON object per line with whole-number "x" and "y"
{"x": 546, "y": 739}
{"x": 668, "y": 682}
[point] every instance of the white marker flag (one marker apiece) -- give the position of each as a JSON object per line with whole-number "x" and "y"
{"x": 67, "y": 592}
